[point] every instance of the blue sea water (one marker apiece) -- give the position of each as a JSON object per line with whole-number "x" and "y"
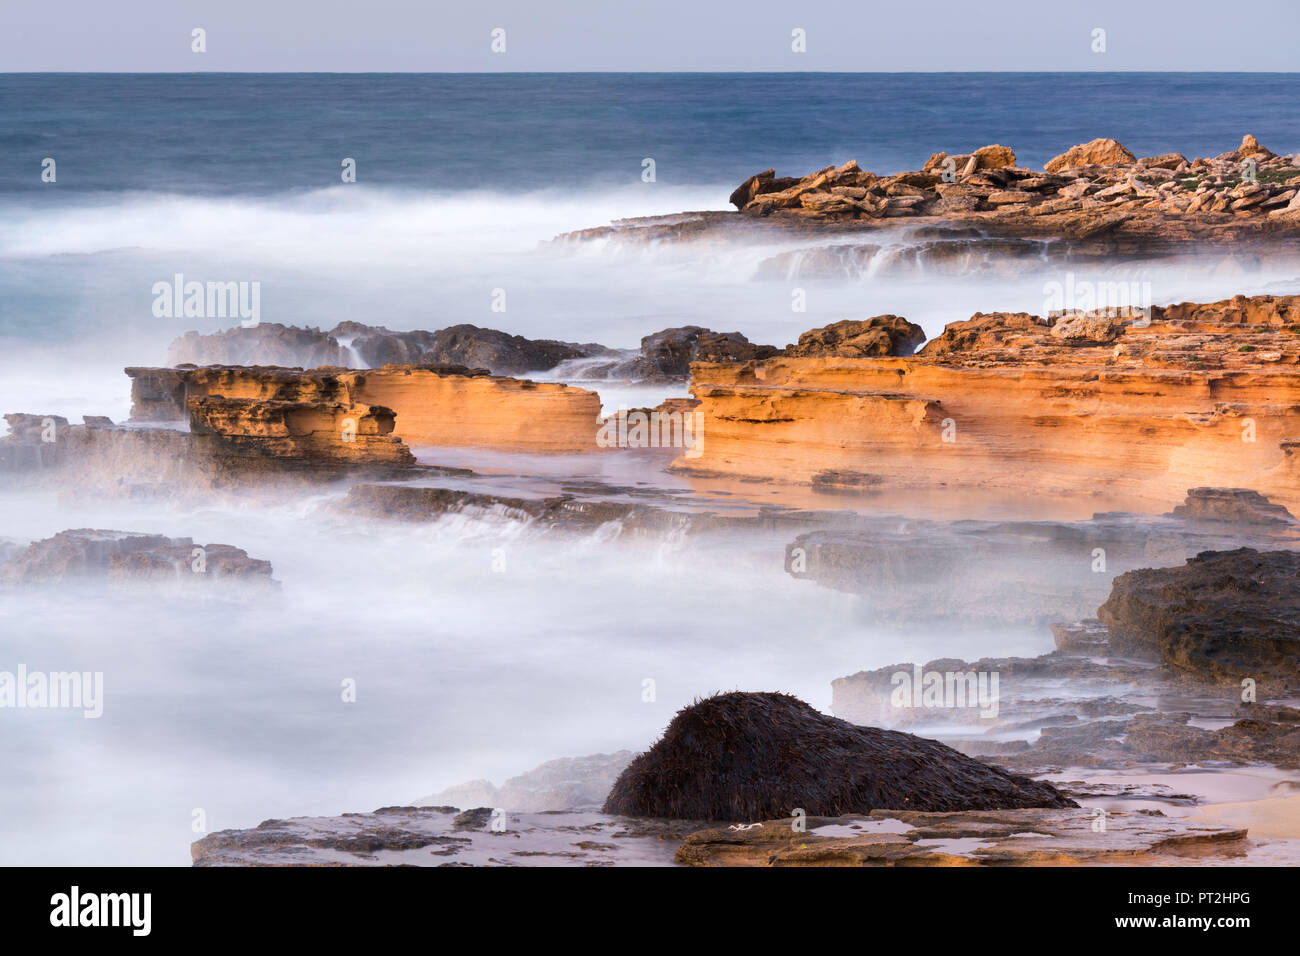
{"x": 259, "y": 134}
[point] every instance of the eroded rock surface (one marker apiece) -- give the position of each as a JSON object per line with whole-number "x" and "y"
{"x": 1136, "y": 408}
{"x": 1224, "y": 615}
{"x": 424, "y": 405}
{"x": 1092, "y": 189}
{"x": 880, "y": 335}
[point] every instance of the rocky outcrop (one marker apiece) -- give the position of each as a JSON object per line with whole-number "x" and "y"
{"x": 664, "y": 356}
{"x": 880, "y": 335}
{"x": 356, "y": 345}
{"x": 667, "y": 355}
{"x": 123, "y": 556}
{"x": 1093, "y": 189}
{"x": 1137, "y": 407}
{"x": 1224, "y": 615}
{"x": 267, "y": 343}
{"x": 335, "y": 432}
{"x": 224, "y": 444}
{"x": 750, "y": 756}
{"x": 1232, "y": 506}
{"x": 499, "y": 352}
{"x": 421, "y": 405}
{"x": 570, "y": 783}
{"x": 1099, "y": 152}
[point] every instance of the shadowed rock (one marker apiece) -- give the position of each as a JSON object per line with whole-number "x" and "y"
{"x": 1223, "y": 616}
{"x": 754, "y": 756}
{"x": 85, "y": 553}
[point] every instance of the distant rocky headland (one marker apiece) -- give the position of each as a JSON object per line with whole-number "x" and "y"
{"x": 978, "y": 212}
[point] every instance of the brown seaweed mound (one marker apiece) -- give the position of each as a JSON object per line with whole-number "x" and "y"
{"x": 759, "y": 756}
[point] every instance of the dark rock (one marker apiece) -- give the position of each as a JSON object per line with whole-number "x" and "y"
{"x": 268, "y": 343}
{"x": 475, "y": 819}
{"x": 667, "y": 355}
{"x": 469, "y": 345}
{"x": 754, "y": 756}
{"x": 1223, "y": 616}
{"x": 122, "y": 556}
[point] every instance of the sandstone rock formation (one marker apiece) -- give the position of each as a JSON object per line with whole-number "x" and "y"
{"x": 749, "y": 756}
{"x": 880, "y": 335}
{"x": 1090, "y": 190}
{"x": 1188, "y": 395}
{"x": 421, "y": 405}
{"x": 1224, "y": 615}
{"x": 121, "y": 556}
{"x": 1099, "y": 152}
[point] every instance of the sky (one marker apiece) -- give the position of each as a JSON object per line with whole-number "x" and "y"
{"x": 646, "y": 35}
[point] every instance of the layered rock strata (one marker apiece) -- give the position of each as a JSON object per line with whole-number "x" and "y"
{"x": 419, "y": 405}
{"x": 1097, "y": 405}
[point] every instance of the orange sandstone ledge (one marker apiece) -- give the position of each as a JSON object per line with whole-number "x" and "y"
{"x": 416, "y": 404}
{"x": 1078, "y": 404}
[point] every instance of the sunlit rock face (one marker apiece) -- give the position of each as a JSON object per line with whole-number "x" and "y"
{"x": 430, "y": 405}
{"x": 1079, "y": 404}
{"x": 1095, "y": 190}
